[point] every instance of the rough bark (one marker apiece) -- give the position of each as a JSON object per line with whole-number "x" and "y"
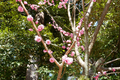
{"x": 40, "y": 17}
{"x": 31, "y": 73}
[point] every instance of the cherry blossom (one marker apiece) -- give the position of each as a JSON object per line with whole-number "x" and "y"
{"x": 25, "y": 2}
{"x": 63, "y": 47}
{"x": 20, "y": 9}
{"x": 96, "y": 77}
{"x": 72, "y": 53}
{"x": 68, "y": 48}
{"x": 36, "y": 22}
{"x": 69, "y": 60}
{"x": 30, "y": 29}
{"x": 37, "y": 38}
{"x": 104, "y": 72}
{"x": 78, "y": 43}
{"x": 94, "y": 0}
{"x": 89, "y": 25}
{"x": 44, "y": 51}
{"x": 52, "y": 60}
{"x": 69, "y": 44}
{"x": 29, "y": 18}
{"x": 64, "y": 57}
{"x": 50, "y": 52}
{"x": 48, "y": 42}
{"x": 19, "y": 0}
{"x": 40, "y": 27}
{"x": 82, "y": 48}
{"x": 113, "y": 69}
{"x": 68, "y": 41}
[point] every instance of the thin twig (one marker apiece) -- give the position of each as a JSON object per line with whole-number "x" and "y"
{"x": 111, "y": 61}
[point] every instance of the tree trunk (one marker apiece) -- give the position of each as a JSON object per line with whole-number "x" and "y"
{"x": 31, "y": 73}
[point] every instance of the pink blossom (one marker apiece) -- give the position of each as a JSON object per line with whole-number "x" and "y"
{"x": 68, "y": 41}
{"x": 44, "y": 51}
{"x": 32, "y": 6}
{"x": 71, "y": 35}
{"x": 64, "y": 6}
{"x": 49, "y": 4}
{"x": 37, "y": 38}
{"x": 59, "y": 28}
{"x": 72, "y": 53}
{"x": 66, "y": 34}
{"x": 44, "y": 0}
{"x": 94, "y": 0}
{"x": 63, "y": 47}
{"x": 83, "y": 48}
{"x": 19, "y": 0}
{"x": 64, "y": 57}
{"x": 64, "y": 41}
{"x": 25, "y": 2}
{"x": 78, "y": 38}
{"x": 52, "y": 60}
{"x": 52, "y": 1}
{"x": 69, "y": 44}
{"x": 36, "y": 22}
{"x": 65, "y": 1}
{"x": 41, "y": 3}
{"x": 60, "y": 5}
{"x": 81, "y": 32}
{"x": 29, "y": 18}
{"x": 68, "y": 48}
{"x": 89, "y": 25}
{"x": 30, "y": 29}
{"x": 16, "y": 0}
{"x": 20, "y": 9}
{"x": 48, "y": 42}
{"x": 113, "y": 69}
{"x": 104, "y": 72}
{"x": 36, "y": 8}
{"x": 96, "y": 77}
{"x": 78, "y": 43}
{"x": 61, "y": 31}
{"x": 69, "y": 60}
{"x": 50, "y": 52}
{"x": 40, "y": 27}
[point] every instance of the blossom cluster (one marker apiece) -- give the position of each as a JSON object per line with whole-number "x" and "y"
{"x": 65, "y": 33}
{"x": 104, "y": 73}
{"x": 67, "y": 60}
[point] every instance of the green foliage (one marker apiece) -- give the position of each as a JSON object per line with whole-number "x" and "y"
{"x": 83, "y": 78}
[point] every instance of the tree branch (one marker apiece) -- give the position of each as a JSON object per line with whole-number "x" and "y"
{"x": 108, "y": 69}
{"x": 69, "y": 15}
{"x": 86, "y": 16}
{"x": 44, "y": 44}
{"x": 99, "y": 25}
{"x": 111, "y": 61}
